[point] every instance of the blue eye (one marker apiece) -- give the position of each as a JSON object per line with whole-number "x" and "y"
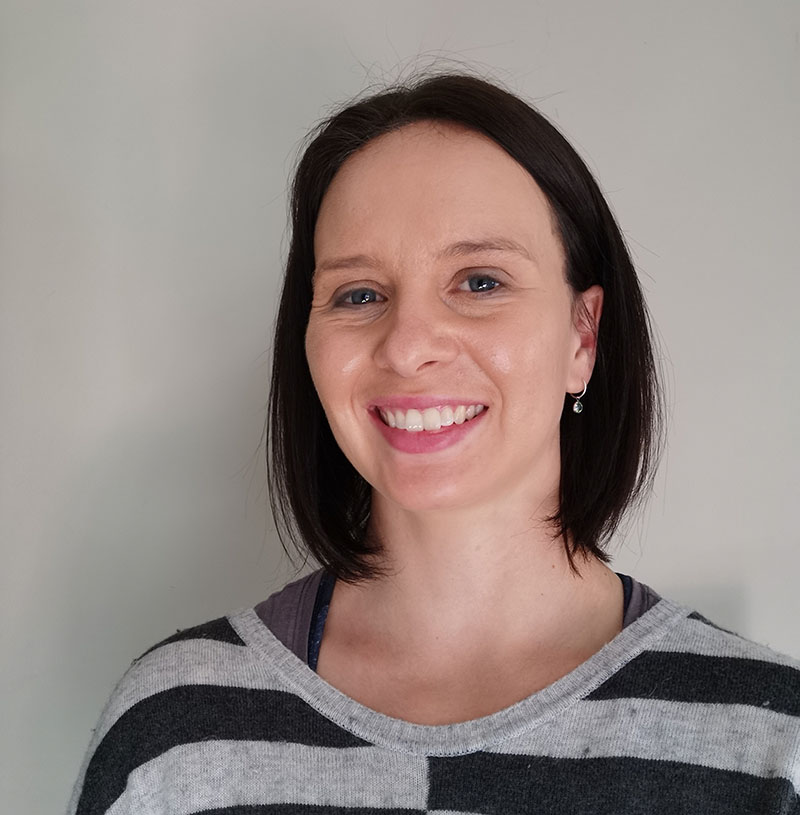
{"x": 360, "y": 297}
{"x": 481, "y": 283}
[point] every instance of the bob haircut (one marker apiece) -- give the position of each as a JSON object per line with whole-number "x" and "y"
{"x": 608, "y": 453}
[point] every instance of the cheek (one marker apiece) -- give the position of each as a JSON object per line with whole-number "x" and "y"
{"x": 348, "y": 365}
{"x": 501, "y": 360}
{"x": 313, "y": 350}
{"x": 531, "y": 361}
{"x": 321, "y": 361}
{"x": 334, "y": 361}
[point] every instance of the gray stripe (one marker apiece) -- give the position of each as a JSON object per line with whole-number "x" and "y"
{"x": 462, "y": 737}
{"x": 725, "y": 737}
{"x": 697, "y": 637}
{"x": 217, "y": 774}
{"x": 187, "y": 662}
{"x": 451, "y": 812}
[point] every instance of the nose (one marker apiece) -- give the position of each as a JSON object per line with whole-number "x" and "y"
{"x": 416, "y": 336}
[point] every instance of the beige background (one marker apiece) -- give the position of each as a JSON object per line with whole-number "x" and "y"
{"x": 145, "y": 151}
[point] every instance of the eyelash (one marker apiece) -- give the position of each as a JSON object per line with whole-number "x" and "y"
{"x": 346, "y": 302}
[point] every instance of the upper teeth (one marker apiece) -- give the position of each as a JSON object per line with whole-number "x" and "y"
{"x": 431, "y": 418}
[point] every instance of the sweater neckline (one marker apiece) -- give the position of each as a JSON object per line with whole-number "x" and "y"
{"x": 461, "y": 737}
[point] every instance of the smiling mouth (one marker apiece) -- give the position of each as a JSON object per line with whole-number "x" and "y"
{"x": 430, "y": 419}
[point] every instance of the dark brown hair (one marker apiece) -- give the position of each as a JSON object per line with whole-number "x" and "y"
{"x": 608, "y": 453}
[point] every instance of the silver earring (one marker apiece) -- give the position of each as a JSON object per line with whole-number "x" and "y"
{"x": 578, "y": 406}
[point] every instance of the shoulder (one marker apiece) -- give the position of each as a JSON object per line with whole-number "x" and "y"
{"x": 208, "y": 655}
{"x": 700, "y": 662}
{"x": 700, "y": 641}
{"x": 219, "y": 630}
{"x": 199, "y": 684}
{"x": 694, "y": 695}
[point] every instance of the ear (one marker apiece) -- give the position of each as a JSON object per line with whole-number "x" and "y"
{"x": 586, "y": 312}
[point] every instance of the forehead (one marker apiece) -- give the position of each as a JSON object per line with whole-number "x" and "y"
{"x": 430, "y": 184}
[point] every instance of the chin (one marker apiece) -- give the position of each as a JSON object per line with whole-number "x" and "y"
{"x": 421, "y": 497}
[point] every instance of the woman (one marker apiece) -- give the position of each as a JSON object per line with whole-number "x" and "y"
{"x": 463, "y": 406}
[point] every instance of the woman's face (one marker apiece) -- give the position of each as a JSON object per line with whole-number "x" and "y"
{"x": 443, "y": 335}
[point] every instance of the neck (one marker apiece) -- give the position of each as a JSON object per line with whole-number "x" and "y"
{"x": 492, "y": 575}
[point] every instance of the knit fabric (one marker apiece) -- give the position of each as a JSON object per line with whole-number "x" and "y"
{"x": 672, "y": 716}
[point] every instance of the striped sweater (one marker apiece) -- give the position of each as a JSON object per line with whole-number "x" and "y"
{"x": 673, "y": 716}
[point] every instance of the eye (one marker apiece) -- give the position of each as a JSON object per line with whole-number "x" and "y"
{"x": 359, "y": 297}
{"x": 480, "y": 283}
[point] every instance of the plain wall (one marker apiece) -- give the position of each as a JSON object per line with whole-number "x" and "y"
{"x": 145, "y": 153}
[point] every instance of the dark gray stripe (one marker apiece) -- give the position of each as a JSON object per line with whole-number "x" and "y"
{"x": 196, "y": 713}
{"x": 308, "y": 809}
{"x": 220, "y": 630}
{"x": 509, "y": 784}
{"x": 681, "y": 677}
{"x": 190, "y": 662}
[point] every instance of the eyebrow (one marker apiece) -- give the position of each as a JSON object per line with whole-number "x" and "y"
{"x": 487, "y": 245}
{"x": 457, "y": 249}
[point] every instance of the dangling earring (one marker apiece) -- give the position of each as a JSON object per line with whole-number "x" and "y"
{"x": 578, "y": 406}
